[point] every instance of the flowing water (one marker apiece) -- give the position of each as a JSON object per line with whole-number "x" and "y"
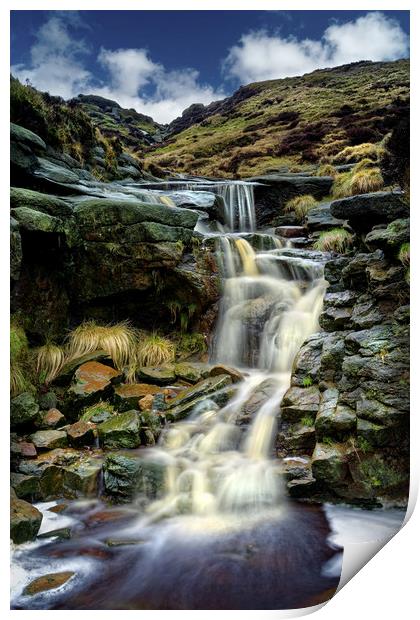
{"x": 222, "y": 535}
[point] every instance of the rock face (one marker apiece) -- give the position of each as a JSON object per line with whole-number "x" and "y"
{"x": 347, "y": 411}
{"x": 273, "y": 191}
{"x": 366, "y": 210}
{"x": 25, "y": 521}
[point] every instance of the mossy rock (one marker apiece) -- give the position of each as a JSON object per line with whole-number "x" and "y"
{"x": 121, "y": 431}
{"x": 24, "y": 409}
{"x": 45, "y": 203}
{"x": 25, "y": 521}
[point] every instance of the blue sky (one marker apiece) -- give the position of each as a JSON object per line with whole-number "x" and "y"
{"x": 159, "y": 62}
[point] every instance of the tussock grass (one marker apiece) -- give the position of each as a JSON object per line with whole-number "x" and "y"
{"x": 300, "y": 205}
{"x": 404, "y": 255}
{"x": 335, "y": 240}
{"x": 353, "y": 154}
{"x": 364, "y": 163}
{"x": 19, "y": 361}
{"x": 342, "y": 185}
{"x": 119, "y": 341}
{"x": 326, "y": 170}
{"x": 49, "y": 361}
{"x": 155, "y": 350}
{"x": 366, "y": 180}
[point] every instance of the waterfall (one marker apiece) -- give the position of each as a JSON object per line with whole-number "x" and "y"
{"x": 239, "y": 205}
{"x": 270, "y": 305}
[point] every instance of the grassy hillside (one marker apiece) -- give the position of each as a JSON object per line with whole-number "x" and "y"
{"x": 292, "y": 122}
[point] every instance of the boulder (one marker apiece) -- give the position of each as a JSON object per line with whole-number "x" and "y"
{"x": 299, "y": 402}
{"x": 52, "y": 419}
{"x": 25, "y": 521}
{"x": 127, "y": 396}
{"x": 48, "y": 440}
{"x": 15, "y": 249}
{"x": 47, "y": 401}
{"x": 92, "y": 381}
{"x": 36, "y": 221}
{"x": 121, "y": 431}
{"x": 25, "y": 486}
{"x": 321, "y": 218}
{"x": 146, "y": 403}
{"x": 365, "y": 210}
{"x": 81, "y": 478}
{"x": 126, "y": 475}
{"x": 164, "y": 375}
{"x": 26, "y": 137}
{"x": 289, "y": 232}
{"x": 333, "y": 419}
{"x": 81, "y": 434}
{"x": 45, "y": 203}
{"x": 222, "y": 369}
{"x": 23, "y": 409}
{"x": 191, "y": 372}
{"x": 389, "y": 238}
{"x": 329, "y": 463}
{"x": 27, "y": 449}
{"x": 50, "y": 171}
{"x": 213, "y": 388}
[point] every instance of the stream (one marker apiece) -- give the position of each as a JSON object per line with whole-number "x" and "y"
{"x": 225, "y": 534}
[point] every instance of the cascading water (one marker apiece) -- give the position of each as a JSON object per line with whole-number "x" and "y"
{"x": 239, "y": 206}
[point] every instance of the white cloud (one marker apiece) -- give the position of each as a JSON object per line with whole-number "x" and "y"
{"x": 260, "y": 56}
{"x": 56, "y": 60}
{"x": 134, "y": 80}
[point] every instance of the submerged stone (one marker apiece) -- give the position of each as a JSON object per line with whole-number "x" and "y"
{"x": 212, "y": 387}
{"x": 48, "y": 582}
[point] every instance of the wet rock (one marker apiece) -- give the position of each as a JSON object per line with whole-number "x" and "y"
{"x": 47, "y": 440}
{"x": 82, "y": 477}
{"x": 62, "y": 533}
{"x": 375, "y": 434}
{"x": 366, "y": 314}
{"x": 321, "y": 218}
{"x": 25, "y": 521}
{"x": 334, "y": 420}
{"x": 36, "y": 221}
{"x": 221, "y": 369}
{"x": 26, "y": 487}
{"x": 302, "y": 487}
{"x": 376, "y": 476}
{"x": 260, "y": 395}
{"x": 329, "y": 463}
{"x": 290, "y": 231}
{"x": 212, "y": 387}
{"x": 164, "y": 375}
{"x": 333, "y": 319}
{"x": 91, "y": 382}
{"x": 300, "y": 438}
{"x": 16, "y": 255}
{"x": 354, "y": 274}
{"x": 127, "y": 475}
{"x": 48, "y": 582}
{"x": 127, "y": 396}
{"x": 67, "y": 372}
{"x": 389, "y": 239}
{"x": 52, "y": 419}
{"x": 121, "y": 431}
{"x": 365, "y": 210}
{"x": 333, "y": 270}
{"x": 378, "y": 413}
{"x": 190, "y": 372}
{"x": 308, "y": 360}
{"x": 26, "y": 137}
{"x": 23, "y": 409}
{"x": 49, "y": 171}
{"x": 81, "y": 434}
{"x": 297, "y": 402}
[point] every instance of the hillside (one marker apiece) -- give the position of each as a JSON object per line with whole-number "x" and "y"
{"x": 291, "y": 122}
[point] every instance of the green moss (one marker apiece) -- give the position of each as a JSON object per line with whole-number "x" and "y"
{"x": 307, "y": 381}
{"x": 307, "y": 421}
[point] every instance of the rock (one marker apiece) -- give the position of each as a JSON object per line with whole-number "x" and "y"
{"x": 52, "y": 419}
{"x": 121, "y": 431}
{"x": 221, "y": 369}
{"x": 154, "y": 232}
{"x": 62, "y": 533}
{"x": 47, "y": 440}
{"x": 333, "y": 319}
{"x": 81, "y": 478}
{"x": 91, "y": 382}
{"x": 308, "y": 360}
{"x": 273, "y": 191}
{"x": 51, "y": 581}
{"x": 377, "y": 476}
{"x": 354, "y": 274}
{"x": 26, "y": 487}
{"x": 52, "y": 205}
{"x": 127, "y": 475}
{"x": 375, "y": 434}
{"x": 81, "y": 434}
{"x": 26, "y": 137}
{"x": 321, "y": 218}
{"x": 378, "y": 413}
{"x": 146, "y": 403}
{"x": 67, "y": 371}
{"x": 302, "y": 487}
{"x": 25, "y": 521}
{"x": 300, "y": 438}
{"x": 365, "y": 210}
{"x": 188, "y": 371}
{"x": 35, "y": 221}
{"x": 48, "y": 401}
{"x": 23, "y": 409}
{"x": 298, "y": 402}
{"x": 27, "y": 449}
{"x": 329, "y": 463}
{"x": 164, "y": 375}
{"x": 213, "y": 388}
{"x": 334, "y": 420}
{"x": 290, "y": 231}
{"x": 127, "y": 396}
{"x": 389, "y": 239}
{"x": 52, "y": 172}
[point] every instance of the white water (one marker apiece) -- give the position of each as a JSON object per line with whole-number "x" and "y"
{"x": 216, "y": 468}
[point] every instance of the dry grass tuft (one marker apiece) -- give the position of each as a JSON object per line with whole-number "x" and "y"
{"x": 353, "y": 154}
{"x": 326, "y": 170}
{"x": 300, "y": 205}
{"x": 50, "y": 360}
{"x": 366, "y": 180}
{"x": 19, "y": 361}
{"x": 404, "y": 254}
{"x": 335, "y": 240}
{"x": 155, "y": 350}
{"x": 119, "y": 341}
{"x": 342, "y": 185}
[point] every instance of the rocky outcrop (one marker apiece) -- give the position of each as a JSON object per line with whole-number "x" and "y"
{"x": 365, "y": 210}
{"x": 346, "y": 414}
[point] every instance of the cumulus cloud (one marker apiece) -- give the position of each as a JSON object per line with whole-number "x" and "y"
{"x": 261, "y": 56}
{"x": 133, "y": 79}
